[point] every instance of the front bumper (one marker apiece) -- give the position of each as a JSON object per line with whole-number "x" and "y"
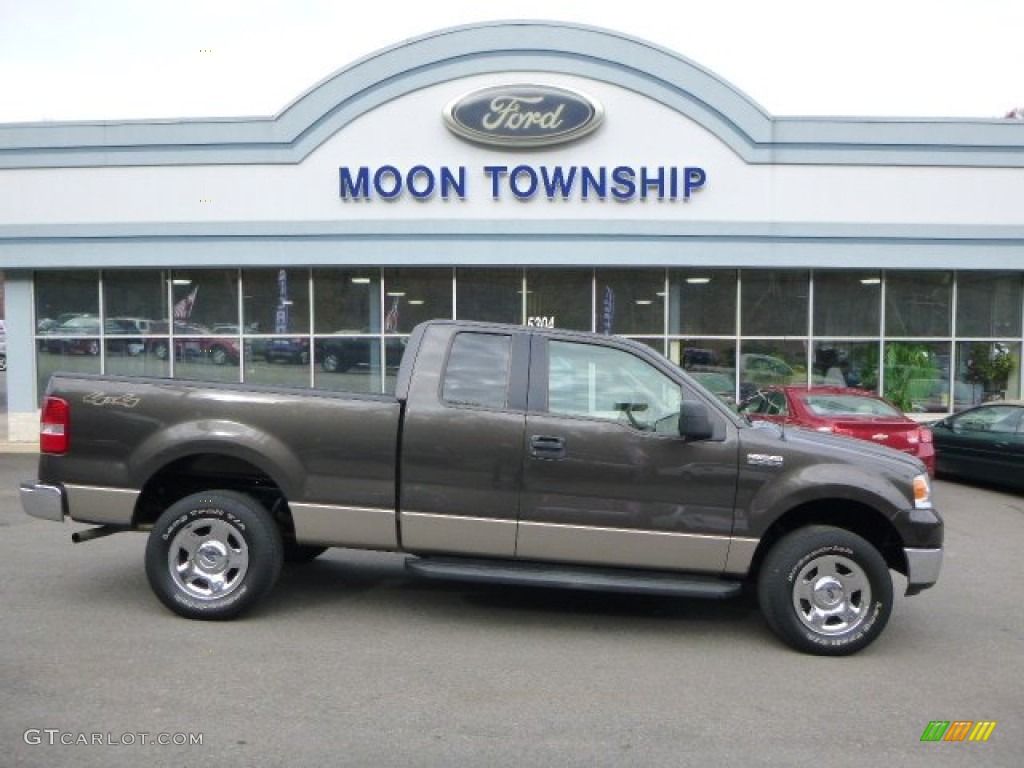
{"x": 923, "y": 566}
{"x": 47, "y": 502}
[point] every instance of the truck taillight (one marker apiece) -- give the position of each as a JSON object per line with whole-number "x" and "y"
{"x": 54, "y": 426}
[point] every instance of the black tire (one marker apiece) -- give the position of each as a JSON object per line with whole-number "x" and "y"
{"x": 213, "y": 555}
{"x": 161, "y": 350}
{"x": 825, "y": 591}
{"x": 301, "y": 553}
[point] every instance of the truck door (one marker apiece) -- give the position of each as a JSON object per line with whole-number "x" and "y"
{"x": 462, "y": 443}
{"x": 607, "y": 478}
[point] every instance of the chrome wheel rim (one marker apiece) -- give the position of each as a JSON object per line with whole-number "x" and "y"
{"x": 832, "y": 595}
{"x": 208, "y": 559}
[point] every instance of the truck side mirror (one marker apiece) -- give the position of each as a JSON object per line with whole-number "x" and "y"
{"x": 694, "y": 421}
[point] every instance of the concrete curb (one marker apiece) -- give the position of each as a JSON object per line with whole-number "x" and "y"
{"x": 9, "y": 447}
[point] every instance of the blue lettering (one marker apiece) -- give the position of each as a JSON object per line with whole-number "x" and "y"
{"x": 655, "y": 182}
{"x": 450, "y": 182}
{"x": 624, "y": 184}
{"x": 495, "y": 172}
{"x": 556, "y": 183}
{"x": 354, "y": 188}
{"x": 386, "y": 174}
{"x": 420, "y": 172}
{"x": 695, "y": 178}
{"x": 531, "y": 179}
{"x": 599, "y": 183}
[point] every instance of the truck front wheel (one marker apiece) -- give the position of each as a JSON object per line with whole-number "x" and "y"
{"x": 212, "y": 555}
{"x": 825, "y": 591}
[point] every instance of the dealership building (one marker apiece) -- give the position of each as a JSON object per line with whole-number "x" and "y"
{"x": 525, "y": 172}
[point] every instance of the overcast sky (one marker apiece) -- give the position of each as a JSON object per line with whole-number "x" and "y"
{"x": 114, "y": 59}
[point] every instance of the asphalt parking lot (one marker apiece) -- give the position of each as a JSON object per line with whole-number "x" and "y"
{"x": 351, "y": 662}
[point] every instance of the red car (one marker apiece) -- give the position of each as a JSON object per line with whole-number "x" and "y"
{"x": 851, "y": 412}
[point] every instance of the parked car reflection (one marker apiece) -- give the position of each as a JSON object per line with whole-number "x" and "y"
{"x": 339, "y": 354}
{"x": 718, "y": 384}
{"x": 984, "y": 443}
{"x": 193, "y": 342}
{"x": 79, "y": 335}
{"x": 842, "y": 411}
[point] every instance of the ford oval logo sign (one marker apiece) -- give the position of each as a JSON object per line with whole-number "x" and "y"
{"x": 523, "y": 115}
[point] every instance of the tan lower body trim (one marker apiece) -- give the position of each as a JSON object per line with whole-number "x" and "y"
{"x": 336, "y": 526}
{"x": 486, "y": 537}
{"x": 622, "y": 547}
{"x": 741, "y": 553}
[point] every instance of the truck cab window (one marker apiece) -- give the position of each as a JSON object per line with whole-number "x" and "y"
{"x": 478, "y": 370}
{"x": 606, "y": 383}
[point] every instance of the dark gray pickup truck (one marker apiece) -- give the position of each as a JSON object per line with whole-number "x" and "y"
{"x": 510, "y": 454}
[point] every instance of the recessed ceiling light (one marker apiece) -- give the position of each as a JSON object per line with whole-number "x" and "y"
{"x": 698, "y": 280}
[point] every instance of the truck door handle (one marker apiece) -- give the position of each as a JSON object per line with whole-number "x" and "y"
{"x": 547, "y": 447}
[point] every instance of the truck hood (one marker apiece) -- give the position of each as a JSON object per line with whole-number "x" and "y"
{"x": 782, "y": 441}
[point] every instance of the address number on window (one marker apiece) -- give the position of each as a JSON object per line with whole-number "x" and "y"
{"x": 541, "y": 322}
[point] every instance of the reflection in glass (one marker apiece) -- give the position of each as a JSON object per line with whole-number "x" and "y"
{"x": 985, "y": 371}
{"x": 414, "y": 295}
{"x": 60, "y": 296}
{"x": 275, "y": 301}
{"x": 845, "y": 364}
{"x": 489, "y": 295}
{"x": 348, "y": 363}
{"x": 774, "y": 302}
{"x": 847, "y": 303}
{"x": 560, "y": 298}
{"x": 347, "y": 300}
{"x": 630, "y": 301}
{"x": 917, "y": 375}
{"x": 135, "y": 298}
{"x": 918, "y": 303}
{"x": 988, "y": 304}
{"x": 702, "y": 302}
{"x": 771, "y": 363}
{"x": 712, "y": 362}
{"x": 206, "y": 298}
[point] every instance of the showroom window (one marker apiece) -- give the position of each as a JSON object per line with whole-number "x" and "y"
{"x": 950, "y": 341}
{"x": 414, "y": 295}
{"x": 275, "y": 326}
{"x": 489, "y": 295}
{"x": 702, "y": 302}
{"x": 847, "y": 303}
{"x": 774, "y": 302}
{"x": 131, "y": 301}
{"x": 630, "y": 302}
{"x": 560, "y": 298}
{"x": 988, "y": 304}
{"x": 918, "y": 303}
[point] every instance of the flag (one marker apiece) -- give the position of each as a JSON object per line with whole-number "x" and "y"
{"x": 183, "y": 309}
{"x": 391, "y": 318}
{"x": 608, "y": 310}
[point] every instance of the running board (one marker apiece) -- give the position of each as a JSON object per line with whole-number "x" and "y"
{"x": 572, "y": 577}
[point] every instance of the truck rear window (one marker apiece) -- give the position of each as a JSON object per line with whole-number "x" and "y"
{"x": 478, "y": 370}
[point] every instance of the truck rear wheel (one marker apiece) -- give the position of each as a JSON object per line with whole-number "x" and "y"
{"x": 213, "y": 555}
{"x": 825, "y": 591}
